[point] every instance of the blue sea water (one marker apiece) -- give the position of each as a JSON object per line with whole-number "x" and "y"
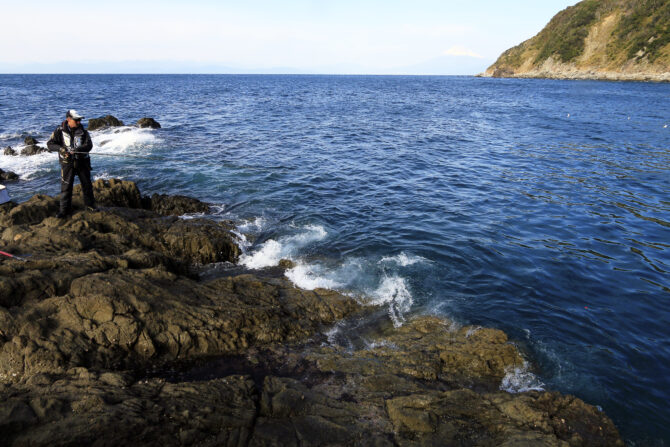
{"x": 535, "y": 206}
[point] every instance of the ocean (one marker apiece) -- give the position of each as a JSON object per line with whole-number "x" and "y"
{"x": 539, "y": 207}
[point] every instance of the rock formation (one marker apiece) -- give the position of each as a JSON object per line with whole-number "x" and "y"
{"x": 8, "y": 175}
{"x": 596, "y": 39}
{"x": 9, "y": 151}
{"x": 104, "y": 121}
{"x": 110, "y": 335}
{"x": 148, "y": 122}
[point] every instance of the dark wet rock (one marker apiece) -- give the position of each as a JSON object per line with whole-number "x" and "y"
{"x": 9, "y": 151}
{"x": 111, "y": 409}
{"x": 286, "y": 264}
{"x": 33, "y": 149}
{"x": 113, "y": 192}
{"x": 430, "y": 349}
{"x": 30, "y": 141}
{"x": 104, "y": 121}
{"x": 175, "y": 205}
{"x": 148, "y": 122}
{"x": 106, "y": 325}
{"x": 8, "y": 175}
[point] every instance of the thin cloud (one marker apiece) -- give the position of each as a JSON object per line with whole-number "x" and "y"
{"x": 458, "y": 50}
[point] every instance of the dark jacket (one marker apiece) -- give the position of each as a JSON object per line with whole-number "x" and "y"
{"x": 65, "y": 139}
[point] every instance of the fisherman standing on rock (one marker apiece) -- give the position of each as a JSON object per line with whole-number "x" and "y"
{"x": 73, "y": 143}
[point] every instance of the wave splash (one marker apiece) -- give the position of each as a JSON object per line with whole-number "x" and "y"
{"x": 120, "y": 139}
{"x": 520, "y": 380}
{"x": 394, "y": 291}
{"x": 272, "y": 251}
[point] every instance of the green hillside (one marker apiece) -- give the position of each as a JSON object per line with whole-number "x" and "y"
{"x": 605, "y": 35}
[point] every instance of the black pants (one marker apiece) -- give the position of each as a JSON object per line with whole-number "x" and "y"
{"x": 82, "y": 168}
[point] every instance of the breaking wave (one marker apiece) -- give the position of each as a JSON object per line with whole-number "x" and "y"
{"x": 28, "y": 166}
{"x": 121, "y": 139}
{"x": 520, "y": 380}
{"x": 272, "y": 251}
{"x": 394, "y": 292}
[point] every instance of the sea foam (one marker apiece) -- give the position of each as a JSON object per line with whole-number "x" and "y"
{"x": 394, "y": 292}
{"x": 402, "y": 259}
{"x": 520, "y": 380}
{"x": 120, "y": 139}
{"x": 272, "y": 251}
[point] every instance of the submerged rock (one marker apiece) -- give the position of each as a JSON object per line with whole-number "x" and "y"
{"x": 8, "y": 175}
{"x": 106, "y": 325}
{"x": 104, "y": 121}
{"x": 148, "y": 122}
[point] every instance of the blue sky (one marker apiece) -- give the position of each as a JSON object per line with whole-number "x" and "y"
{"x": 308, "y": 36}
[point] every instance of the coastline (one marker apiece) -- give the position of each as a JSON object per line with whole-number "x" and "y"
{"x": 584, "y": 76}
{"x": 109, "y": 324}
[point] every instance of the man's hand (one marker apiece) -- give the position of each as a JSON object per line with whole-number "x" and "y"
{"x": 64, "y": 152}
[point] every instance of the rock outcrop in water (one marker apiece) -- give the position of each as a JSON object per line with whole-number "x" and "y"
{"x": 9, "y": 151}
{"x": 31, "y": 148}
{"x": 8, "y": 175}
{"x": 103, "y": 122}
{"x": 108, "y": 336}
{"x": 148, "y": 122}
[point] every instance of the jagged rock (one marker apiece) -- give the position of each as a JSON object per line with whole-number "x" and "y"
{"x": 9, "y": 151}
{"x": 33, "y": 149}
{"x": 174, "y": 205}
{"x": 104, "y": 121}
{"x": 112, "y": 192}
{"x": 286, "y": 264}
{"x": 30, "y": 141}
{"x": 148, "y": 122}
{"x": 429, "y": 349}
{"x": 8, "y": 175}
{"x": 112, "y": 409}
{"x": 106, "y": 326}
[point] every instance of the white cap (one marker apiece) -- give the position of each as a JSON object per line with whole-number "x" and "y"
{"x": 72, "y": 113}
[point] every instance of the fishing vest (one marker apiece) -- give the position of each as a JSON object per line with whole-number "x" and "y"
{"x": 74, "y": 140}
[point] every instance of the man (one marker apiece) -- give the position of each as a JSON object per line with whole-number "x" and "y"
{"x": 73, "y": 143}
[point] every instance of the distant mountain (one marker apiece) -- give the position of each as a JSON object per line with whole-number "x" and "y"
{"x": 596, "y": 39}
{"x": 445, "y": 65}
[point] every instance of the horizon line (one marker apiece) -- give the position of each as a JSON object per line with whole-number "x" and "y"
{"x": 238, "y": 74}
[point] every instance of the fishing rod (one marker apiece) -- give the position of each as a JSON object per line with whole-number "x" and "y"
{"x": 122, "y": 155}
{"x": 9, "y": 255}
{"x": 159, "y": 158}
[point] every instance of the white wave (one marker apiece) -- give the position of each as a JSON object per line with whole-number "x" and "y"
{"x": 255, "y": 226}
{"x": 308, "y": 277}
{"x": 9, "y": 136}
{"x": 393, "y": 291}
{"x": 106, "y": 176}
{"x": 27, "y": 166}
{"x": 268, "y": 255}
{"x": 272, "y": 251}
{"x": 121, "y": 139}
{"x": 242, "y": 241}
{"x": 403, "y": 259}
{"x": 520, "y": 380}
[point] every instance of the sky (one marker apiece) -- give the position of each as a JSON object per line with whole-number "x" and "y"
{"x": 264, "y": 36}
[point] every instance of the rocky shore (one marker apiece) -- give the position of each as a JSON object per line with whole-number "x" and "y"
{"x": 556, "y": 70}
{"x": 130, "y": 325}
